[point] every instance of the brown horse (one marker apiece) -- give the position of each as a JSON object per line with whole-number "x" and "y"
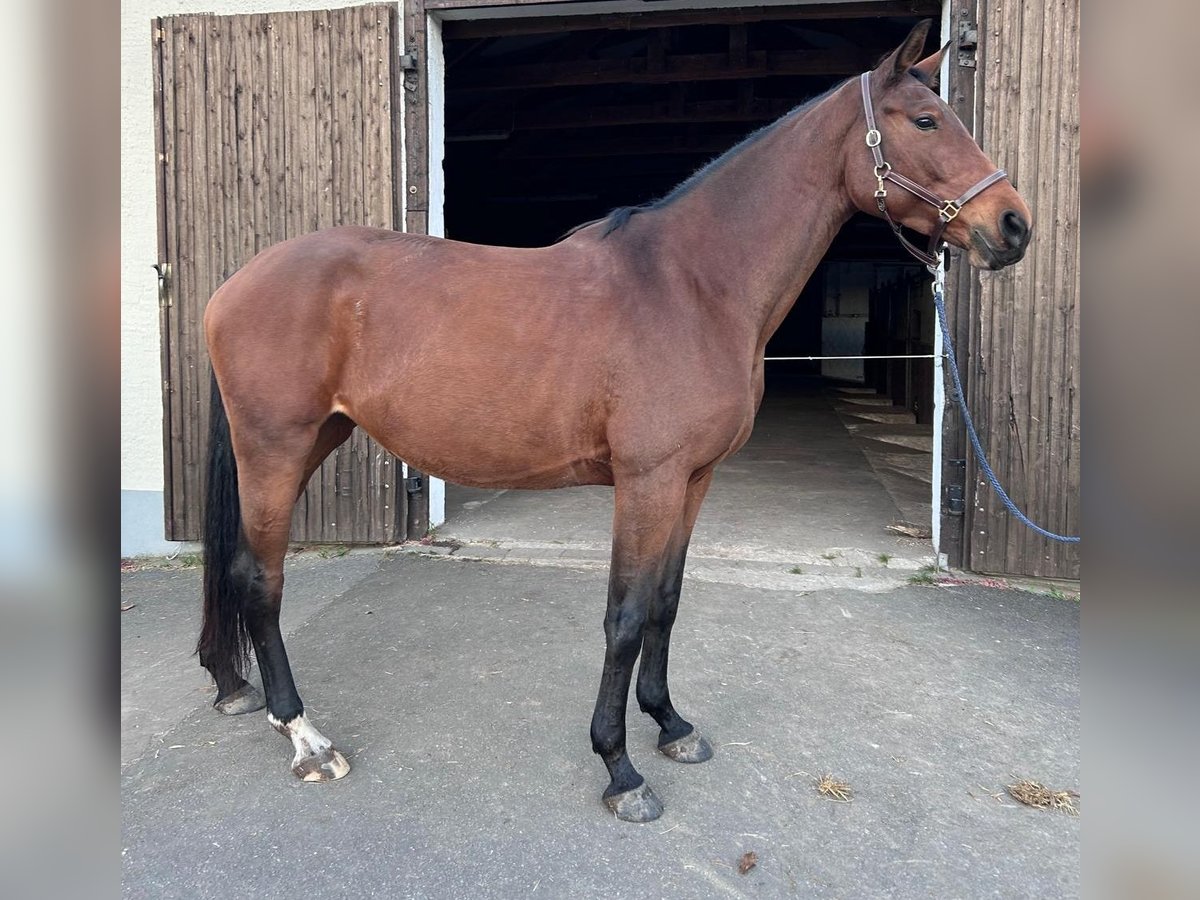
{"x": 630, "y": 353}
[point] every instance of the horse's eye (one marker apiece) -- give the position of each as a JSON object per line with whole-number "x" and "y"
{"x": 926, "y": 123}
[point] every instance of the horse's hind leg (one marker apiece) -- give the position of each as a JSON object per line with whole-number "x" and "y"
{"x": 235, "y": 695}
{"x": 269, "y": 485}
{"x": 678, "y": 739}
{"x": 647, "y": 508}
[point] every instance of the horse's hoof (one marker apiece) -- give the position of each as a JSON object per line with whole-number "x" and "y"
{"x": 328, "y": 765}
{"x": 691, "y": 748}
{"x": 245, "y": 699}
{"x": 315, "y": 758}
{"x": 637, "y": 805}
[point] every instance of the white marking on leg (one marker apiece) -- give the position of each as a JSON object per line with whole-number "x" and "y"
{"x": 304, "y": 736}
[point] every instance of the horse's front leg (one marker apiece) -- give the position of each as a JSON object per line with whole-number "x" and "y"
{"x": 678, "y": 738}
{"x": 646, "y": 510}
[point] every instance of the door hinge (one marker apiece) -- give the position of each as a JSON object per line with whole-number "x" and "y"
{"x": 414, "y": 484}
{"x": 968, "y": 43}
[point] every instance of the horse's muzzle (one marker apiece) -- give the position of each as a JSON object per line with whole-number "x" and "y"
{"x": 1009, "y": 243}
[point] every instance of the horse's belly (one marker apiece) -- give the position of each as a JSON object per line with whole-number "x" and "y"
{"x": 580, "y": 472}
{"x": 484, "y": 447}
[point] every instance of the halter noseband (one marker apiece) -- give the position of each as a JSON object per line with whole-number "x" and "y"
{"x": 947, "y": 209}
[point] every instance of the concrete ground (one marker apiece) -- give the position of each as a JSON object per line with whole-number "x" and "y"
{"x": 459, "y": 678}
{"x": 461, "y": 693}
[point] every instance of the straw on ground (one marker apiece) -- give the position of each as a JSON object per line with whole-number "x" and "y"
{"x": 1037, "y": 795}
{"x": 834, "y": 789}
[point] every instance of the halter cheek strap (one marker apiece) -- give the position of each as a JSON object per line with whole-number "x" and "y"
{"x": 948, "y": 210}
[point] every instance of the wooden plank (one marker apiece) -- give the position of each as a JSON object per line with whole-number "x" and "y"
{"x": 276, "y": 132}
{"x": 573, "y": 119}
{"x": 162, "y": 50}
{"x": 339, "y": 506}
{"x": 263, "y": 147}
{"x": 415, "y": 187}
{"x": 395, "y": 512}
{"x": 178, "y": 194}
{"x": 1025, "y": 282}
{"x": 459, "y": 29}
{"x": 680, "y": 67}
{"x": 323, "y": 79}
{"x": 375, "y": 92}
{"x": 1002, "y": 303}
{"x": 416, "y": 122}
{"x": 1064, "y": 506}
{"x": 984, "y": 367}
{"x": 196, "y": 264}
{"x": 348, "y": 52}
{"x": 1032, "y": 551}
{"x": 247, "y": 48}
{"x": 960, "y": 283}
{"x": 397, "y": 115}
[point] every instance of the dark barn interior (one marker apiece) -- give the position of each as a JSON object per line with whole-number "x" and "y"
{"x": 553, "y": 122}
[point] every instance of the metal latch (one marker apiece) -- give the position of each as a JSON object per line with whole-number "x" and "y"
{"x": 414, "y": 484}
{"x": 955, "y": 503}
{"x": 408, "y": 62}
{"x": 164, "y": 277}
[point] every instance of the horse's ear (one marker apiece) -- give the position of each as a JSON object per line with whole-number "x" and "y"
{"x": 931, "y": 67}
{"x": 905, "y": 56}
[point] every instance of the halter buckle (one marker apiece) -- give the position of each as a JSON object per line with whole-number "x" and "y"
{"x": 882, "y": 171}
{"x": 874, "y": 138}
{"x": 949, "y": 211}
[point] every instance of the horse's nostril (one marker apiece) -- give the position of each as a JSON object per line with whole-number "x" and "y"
{"x": 1014, "y": 228}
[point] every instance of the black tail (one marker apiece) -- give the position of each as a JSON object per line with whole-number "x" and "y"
{"x": 224, "y": 645}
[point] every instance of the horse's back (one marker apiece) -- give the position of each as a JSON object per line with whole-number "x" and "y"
{"x": 460, "y": 358}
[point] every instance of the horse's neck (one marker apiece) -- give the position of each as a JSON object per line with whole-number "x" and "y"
{"x": 757, "y": 227}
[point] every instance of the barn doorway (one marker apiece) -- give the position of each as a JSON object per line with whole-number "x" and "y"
{"x": 552, "y": 122}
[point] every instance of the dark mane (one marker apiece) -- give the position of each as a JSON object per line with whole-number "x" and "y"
{"x": 622, "y": 214}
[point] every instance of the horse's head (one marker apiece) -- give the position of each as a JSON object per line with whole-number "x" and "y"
{"x": 923, "y": 142}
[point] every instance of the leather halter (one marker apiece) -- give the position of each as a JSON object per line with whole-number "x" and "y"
{"x": 948, "y": 210}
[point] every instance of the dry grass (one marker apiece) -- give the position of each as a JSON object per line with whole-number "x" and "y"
{"x": 828, "y": 786}
{"x": 1031, "y": 793}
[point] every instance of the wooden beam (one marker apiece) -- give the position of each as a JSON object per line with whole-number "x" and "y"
{"x": 670, "y": 145}
{"x": 414, "y": 89}
{"x": 684, "y": 67}
{"x": 699, "y": 112}
{"x": 472, "y": 28}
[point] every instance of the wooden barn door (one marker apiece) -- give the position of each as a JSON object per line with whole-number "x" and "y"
{"x": 1015, "y": 79}
{"x": 270, "y": 126}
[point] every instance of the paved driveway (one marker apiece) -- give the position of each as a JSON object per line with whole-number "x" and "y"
{"x": 461, "y": 692}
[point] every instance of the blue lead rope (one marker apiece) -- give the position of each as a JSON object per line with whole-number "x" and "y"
{"x": 948, "y": 349}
